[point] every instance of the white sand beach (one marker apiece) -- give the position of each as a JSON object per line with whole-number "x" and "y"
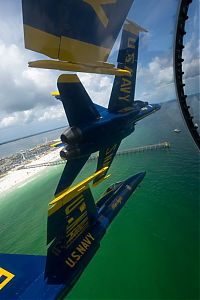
{"x": 16, "y": 178}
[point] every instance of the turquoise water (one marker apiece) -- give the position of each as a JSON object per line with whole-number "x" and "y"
{"x": 151, "y": 249}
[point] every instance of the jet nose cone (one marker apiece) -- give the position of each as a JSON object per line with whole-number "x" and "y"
{"x": 157, "y": 106}
{"x": 134, "y": 180}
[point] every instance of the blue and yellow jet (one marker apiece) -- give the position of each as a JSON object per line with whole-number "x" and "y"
{"x": 75, "y": 228}
{"x": 96, "y": 128}
{"x": 77, "y": 34}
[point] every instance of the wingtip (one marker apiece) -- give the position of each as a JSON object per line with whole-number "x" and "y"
{"x": 134, "y": 27}
{"x": 68, "y": 78}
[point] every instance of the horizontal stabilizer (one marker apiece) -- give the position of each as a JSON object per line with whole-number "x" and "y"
{"x": 108, "y": 69}
{"x": 78, "y": 106}
{"x": 73, "y": 31}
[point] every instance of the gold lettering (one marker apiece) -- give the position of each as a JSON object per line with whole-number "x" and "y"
{"x": 87, "y": 240}
{"x": 97, "y": 6}
{"x": 75, "y": 255}
{"x": 125, "y": 86}
{"x": 107, "y": 159}
{"x": 76, "y": 202}
{"x": 85, "y": 245}
{"x": 90, "y": 236}
{"x": 77, "y": 230}
{"x": 70, "y": 262}
{"x": 129, "y": 58}
{"x": 125, "y": 98}
{"x": 131, "y": 42}
{"x": 111, "y": 149}
{"x": 80, "y": 249}
{"x": 117, "y": 202}
{"x": 82, "y": 207}
{"x": 78, "y": 220}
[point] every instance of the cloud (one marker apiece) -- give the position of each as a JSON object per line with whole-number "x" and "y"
{"x": 191, "y": 52}
{"x": 23, "y": 88}
{"x": 39, "y": 114}
{"x": 25, "y": 92}
{"x": 191, "y": 57}
{"x": 98, "y": 87}
{"x": 155, "y": 80}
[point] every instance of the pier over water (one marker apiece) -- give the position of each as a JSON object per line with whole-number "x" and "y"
{"x": 153, "y": 147}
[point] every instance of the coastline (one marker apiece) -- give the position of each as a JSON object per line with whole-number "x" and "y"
{"x": 17, "y": 178}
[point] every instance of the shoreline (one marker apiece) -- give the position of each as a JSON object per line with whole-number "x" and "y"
{"x": 17, "y": 178}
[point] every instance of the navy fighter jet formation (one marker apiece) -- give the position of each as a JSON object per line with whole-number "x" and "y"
{"x": 79, "y": 36}
{"x": 94, "y": 127}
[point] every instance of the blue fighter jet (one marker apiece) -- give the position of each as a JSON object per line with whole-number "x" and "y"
{"x": 94, "y": 127}
{"x": 78, "y": 36}
{"x": 75, "y": 227}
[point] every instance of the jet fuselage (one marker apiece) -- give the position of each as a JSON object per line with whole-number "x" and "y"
{"x": 108, "y": 130}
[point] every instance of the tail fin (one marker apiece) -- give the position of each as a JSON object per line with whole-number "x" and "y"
{"x": 70, "y": 221}
{"x": 71, "y": 207}
{"x": 122, "y": 95}
{"x": 77, "y": 104}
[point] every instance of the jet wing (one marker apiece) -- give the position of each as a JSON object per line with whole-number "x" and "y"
{"x": 79, "y": 32}
{"x": 71, "y": 170}
{"x": 78, "y": 106}
{"x": 106, "y": 157}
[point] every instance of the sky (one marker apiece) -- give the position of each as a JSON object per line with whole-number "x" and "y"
{"x": 26, "y": 105}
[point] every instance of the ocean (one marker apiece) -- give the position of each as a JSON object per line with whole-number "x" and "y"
{"x": 151, "y": 249}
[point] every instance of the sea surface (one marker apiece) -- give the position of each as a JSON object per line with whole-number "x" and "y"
{"x": 150, "y": 251}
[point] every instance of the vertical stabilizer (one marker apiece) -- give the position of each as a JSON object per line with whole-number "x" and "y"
{"x": 122, "y": 95}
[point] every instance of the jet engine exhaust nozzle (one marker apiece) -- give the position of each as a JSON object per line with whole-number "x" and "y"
{"x": 71, "y": 136}
{"x": 68, "y": 154}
